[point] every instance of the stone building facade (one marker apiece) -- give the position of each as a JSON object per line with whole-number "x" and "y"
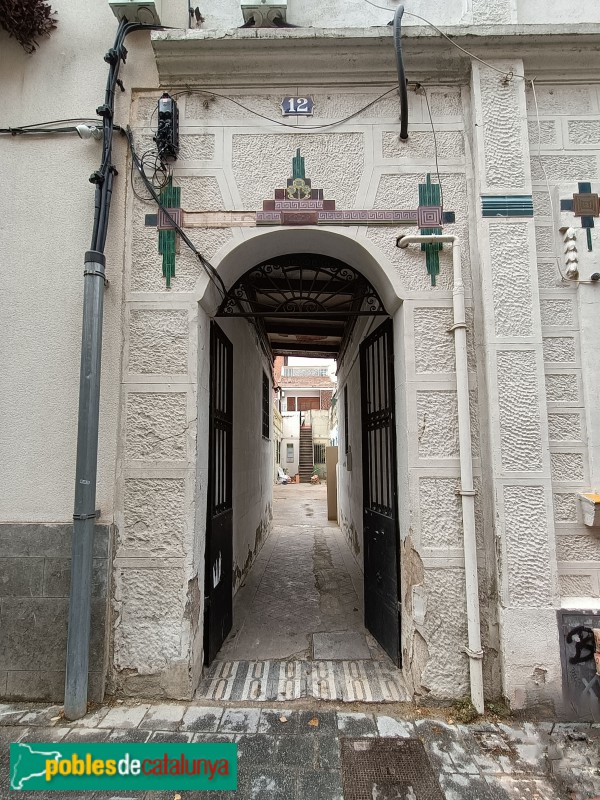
{"x": 478, "y": 127}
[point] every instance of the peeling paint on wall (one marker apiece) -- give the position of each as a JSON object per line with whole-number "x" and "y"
{"x": 262, "y": 532}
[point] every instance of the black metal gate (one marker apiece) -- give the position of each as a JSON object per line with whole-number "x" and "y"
{"x": 380, "y": 514}
{"x": 218, "y": 584}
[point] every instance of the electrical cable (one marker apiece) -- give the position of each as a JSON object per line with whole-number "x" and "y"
{"x": 435, "y": 145}
{"x": 507, "y": 75}
{"x": 205, "y": 92}
{"x": 207, "y": 266}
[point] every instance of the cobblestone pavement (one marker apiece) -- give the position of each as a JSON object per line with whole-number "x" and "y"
{"x": 294, "y": 753}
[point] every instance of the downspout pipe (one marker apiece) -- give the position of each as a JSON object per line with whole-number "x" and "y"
{"x": 467, "y": 489}
{"x": 85, "y": 513}
{"x": 401, "y": 74}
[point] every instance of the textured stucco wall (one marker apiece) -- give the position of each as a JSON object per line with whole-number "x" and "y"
{"x": 232, "y": 159}
{"x": 569, "y": 152}
{"x": 46, "y": 215}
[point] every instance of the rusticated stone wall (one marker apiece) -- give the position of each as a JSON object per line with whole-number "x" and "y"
{"x": 521, "y": 480}
{"x": 567, "y": 152}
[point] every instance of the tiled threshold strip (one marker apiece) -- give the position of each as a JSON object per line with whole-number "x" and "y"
{"x": 291, "y": 754}
{"x": 365, "y": 681}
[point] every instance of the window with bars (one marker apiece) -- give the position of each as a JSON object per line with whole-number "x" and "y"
{"x": 290, "y": 453}
{"x": 319, "y": 453}
{"x": 278, "y": 451}
{"x": 266, "y": 406}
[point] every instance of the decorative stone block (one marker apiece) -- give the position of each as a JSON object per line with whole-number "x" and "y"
{"x": 440, "y": 508}
{"x": 196, "y": 147}
{"x": 567, "y": 467}
{"x": 557, "y": 313}
{"x": 584, "y": 131}
{"x": 146, "y": 265}
{"x": 156, "y": 426}
{"x": 420, "y": 144}
{"x": 154, "y": 516}
{"x": 544, "y": 239}
{"x": 257, "y": 155}
{"x": 576, "y": 586}
{"x": 511, "y": 283}
{"x": 548, "y": 275}
{"x": 151, "y": 605}
{"x": 437, "y": 414}
{"x": 200, "y": 193}
{"x": 559, "y": 349}
{"x": 207, "y": 109}
{"x": 409, "y": 264}
{"x": 564, "y": 427}
{"x": 559, "y": 100}
{"x": 158, "y": 342}
{"x": 446, "y": 104}
{"x": 434, "y": 345}
{"x": 562, "y": 388}
{"x": 564, "y": 168}
{"x": 548, "y": 131}
{"x": 578, "y": 548}
{"x": 541, "y": 204}
{"x": 565, "y": 507}
{"x": 445, "y": 626}
{"x": 502, "y": 132}
{"x": 520, "y": 423}
{"x": 527, "y": 550}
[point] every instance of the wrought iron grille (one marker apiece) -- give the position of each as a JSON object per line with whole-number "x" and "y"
{"x": 302, "y": 285}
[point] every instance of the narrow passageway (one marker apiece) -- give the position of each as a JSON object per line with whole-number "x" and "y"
{"x": 298, "y": 617}
{"x": 304, "y": 586}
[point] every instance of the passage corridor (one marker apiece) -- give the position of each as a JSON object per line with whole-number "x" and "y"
{"x": 298, "y": 617}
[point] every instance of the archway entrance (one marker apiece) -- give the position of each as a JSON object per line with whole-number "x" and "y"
{"x": 313, "y": 305}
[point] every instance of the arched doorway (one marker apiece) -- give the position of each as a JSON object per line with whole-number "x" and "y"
{"x": 314, "y": 304}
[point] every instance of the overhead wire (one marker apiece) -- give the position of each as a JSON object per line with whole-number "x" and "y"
{"x": 207, "y": 266}
{"x": 43, "y": 127}
{"x": 508, "y": 76}
{"x": 207, "y": 92}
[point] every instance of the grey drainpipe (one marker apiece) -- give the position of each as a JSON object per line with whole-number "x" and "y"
{"x": 84, "y": 516}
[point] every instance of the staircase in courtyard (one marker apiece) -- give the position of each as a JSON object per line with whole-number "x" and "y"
{"x": 305, "y": 462}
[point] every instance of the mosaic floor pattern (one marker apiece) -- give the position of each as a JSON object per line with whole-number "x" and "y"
{"x": 367, "y": 681}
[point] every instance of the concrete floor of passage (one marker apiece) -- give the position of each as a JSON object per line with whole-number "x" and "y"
{"x": 304, "y": 581}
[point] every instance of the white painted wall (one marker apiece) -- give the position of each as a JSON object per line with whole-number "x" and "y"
{"x": 556, "y": 12}
{"x": 291, "y": 435}
{"x": 46, "y": 215}
{"x": 252, "y": 453}
{"x": 333, "y": 14}
{"x": 350, "y": 468}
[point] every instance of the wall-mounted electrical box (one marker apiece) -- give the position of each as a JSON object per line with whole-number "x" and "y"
{"x": 264, "y": 13}
{"x": 147, "y": 12}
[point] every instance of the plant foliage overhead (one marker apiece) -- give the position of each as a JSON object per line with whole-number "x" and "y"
{"x": 26, "y": 20}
